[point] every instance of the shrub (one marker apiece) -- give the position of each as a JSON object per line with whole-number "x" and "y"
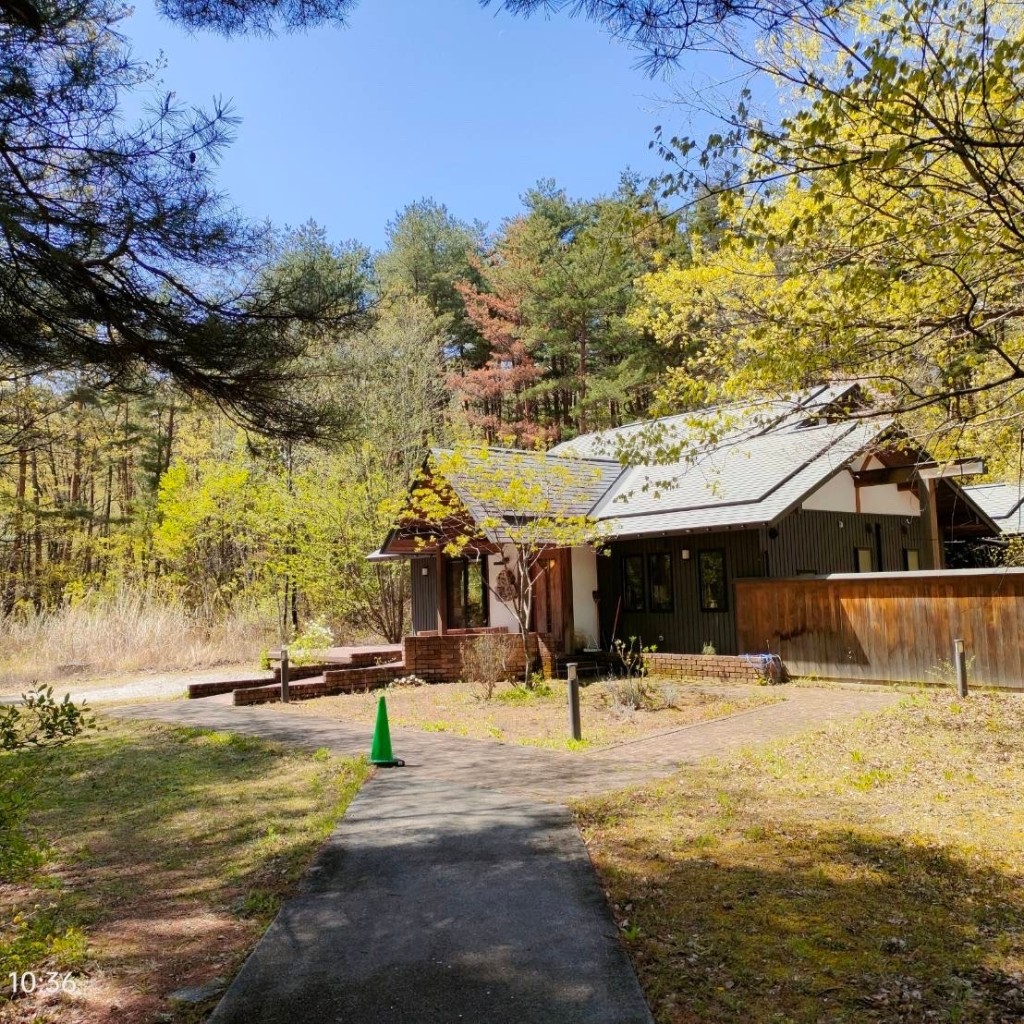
{"x": 311, "y": 644}
{"x": 485, "y": 662}
{"x": 41, "y": 721}
{"x": 633, "y": 693}
{"x": 708, "y": 648}
{"x": 633, "y": 656}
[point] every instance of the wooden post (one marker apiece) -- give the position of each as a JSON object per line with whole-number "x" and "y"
{"x": 284, "y": 675}
{"x": 574, "y": 701}
{"x": 960, "y": 664}
{"x": 930, "y": 524}
{"x": 442, "y": 593}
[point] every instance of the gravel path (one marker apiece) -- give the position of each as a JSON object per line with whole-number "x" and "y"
{"x": 138, "y": 686}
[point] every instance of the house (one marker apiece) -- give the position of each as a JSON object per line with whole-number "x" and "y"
{"x": 796, "y": 488}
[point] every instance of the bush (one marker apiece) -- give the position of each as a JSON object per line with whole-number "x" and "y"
{"x": 633, "y": 693}
{"x": 485, "y": 662}
{"x": 310, "y": 646}
{"x": 633, "y": 656}
{"x": 40, "y": 721}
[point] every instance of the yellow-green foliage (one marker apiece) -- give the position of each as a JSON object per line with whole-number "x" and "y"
{"x": 887, "y": 245}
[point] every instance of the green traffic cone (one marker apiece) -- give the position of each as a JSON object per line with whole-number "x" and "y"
{"x": 380, "y": 752}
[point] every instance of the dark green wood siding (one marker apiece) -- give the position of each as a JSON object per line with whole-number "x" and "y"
{"x": 817, "y": 543}
{"x": 424, "y": 594}
{"x": 804, "y": 542}
{"x": 686, "y": 628}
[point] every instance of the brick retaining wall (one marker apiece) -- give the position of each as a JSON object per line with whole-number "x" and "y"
{"x": 439, "y": 659}
{"x": 726, "y": 667}
{"x": 338, "y": 680}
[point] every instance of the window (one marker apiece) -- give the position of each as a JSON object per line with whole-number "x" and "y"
{"x": 863, "y": 559}
{"x": 911, "y": 559}
{"x": 711, "y": 573}
{"x": 467, "y": 593}
{"x": 659, "y": 582}
{"x": 633, "y": 583}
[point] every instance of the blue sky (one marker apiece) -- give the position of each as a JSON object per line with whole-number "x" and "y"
{"x": 414, "y": 99}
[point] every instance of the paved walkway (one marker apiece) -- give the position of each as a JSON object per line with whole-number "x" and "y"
{"x": 435, "y": 904}
{"x": 528, "y": 771}
{"x": 457, "y": 889}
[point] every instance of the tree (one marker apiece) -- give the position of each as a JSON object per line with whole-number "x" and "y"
{"x": 429, "y": 252}
{"x": 875, "y": 231}
{"x": 553, "y": 304}
{"x": 665, "y": 29}
{"x": 525, "y": 504}
{"x": 116, "y": 252}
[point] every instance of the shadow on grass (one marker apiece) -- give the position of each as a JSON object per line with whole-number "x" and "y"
{"x": 789, "y": 923}
{"x": 169, "y": 849}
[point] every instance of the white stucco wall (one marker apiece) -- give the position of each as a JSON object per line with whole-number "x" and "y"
{"x": 840, "y": 495}
{"x": 500, "y": 613}
{"x": 835, "y": 495}
{"x": 584, "y": 607}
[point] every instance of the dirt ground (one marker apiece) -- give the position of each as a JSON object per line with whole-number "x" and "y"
{"x": 515, "y": 715}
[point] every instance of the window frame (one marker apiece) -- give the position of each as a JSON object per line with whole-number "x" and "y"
{"x": 651, "y": 604}
{"x": 701, "y": 555}
{"x": 467, "y": 564}
{"x": 642, "y": 588}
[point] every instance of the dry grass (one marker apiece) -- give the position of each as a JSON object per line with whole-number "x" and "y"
{"x": 127, "y": 631}
{"x": 536, "y": 718}
{"x": 163, "y": 868}
{"x": 868, "y": 872}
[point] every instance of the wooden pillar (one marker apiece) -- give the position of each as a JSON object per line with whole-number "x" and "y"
{"x": 442, "y": 593}
{"x": 930, "y": 532}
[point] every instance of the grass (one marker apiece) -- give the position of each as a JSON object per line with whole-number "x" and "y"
{"x": 166, "y": 853}
{"x": 865, "y": 873}
{"x": 127, "y": 631}
{"x": 533, "y": 718}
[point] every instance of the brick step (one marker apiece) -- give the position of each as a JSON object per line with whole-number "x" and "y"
{"x": 334, "y": 681}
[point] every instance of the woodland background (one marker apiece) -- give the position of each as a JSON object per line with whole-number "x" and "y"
{"x": 871, "y": 229}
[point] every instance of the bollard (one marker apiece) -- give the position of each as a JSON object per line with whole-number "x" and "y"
{"x": 960, "y": 664}
{"x": 284, "y": 675}
{"x": 574, "y": 701}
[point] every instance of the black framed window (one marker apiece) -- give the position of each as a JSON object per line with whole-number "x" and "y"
{"x": 467, "y": 593}
{"x": 714, "y": 595}
{"x": 659, "y": 582}
{"x": 633, "y": 583}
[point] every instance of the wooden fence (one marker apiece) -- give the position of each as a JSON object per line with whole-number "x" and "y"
{"x": 889, "y": 626}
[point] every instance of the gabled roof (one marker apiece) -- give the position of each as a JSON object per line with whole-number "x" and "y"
{"x": 687, "y": 429}
{"x": 574, "y": 485}
{"x": 763, "y": 465}
{"x": 1002, "y": 503}
{"x": 750, "y": 483}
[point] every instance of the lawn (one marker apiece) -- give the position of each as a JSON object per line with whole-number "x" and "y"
{"x": 868, "y": 872}
{"x": 539, "y": 718}
{"x": 167, "y": 853}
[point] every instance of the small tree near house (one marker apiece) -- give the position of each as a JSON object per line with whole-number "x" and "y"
{"x": 518, "y": 505}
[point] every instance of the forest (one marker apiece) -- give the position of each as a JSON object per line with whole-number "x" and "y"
{"x": 873, "y": 230}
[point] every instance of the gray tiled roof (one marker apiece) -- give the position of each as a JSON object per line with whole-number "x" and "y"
{"x": 691, "y": 429}
{"x": 568, "y": 486}
{"x": 755, "y": 481}
{"x": 1002, "y": 503}
{"x": 763, "y": 466}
